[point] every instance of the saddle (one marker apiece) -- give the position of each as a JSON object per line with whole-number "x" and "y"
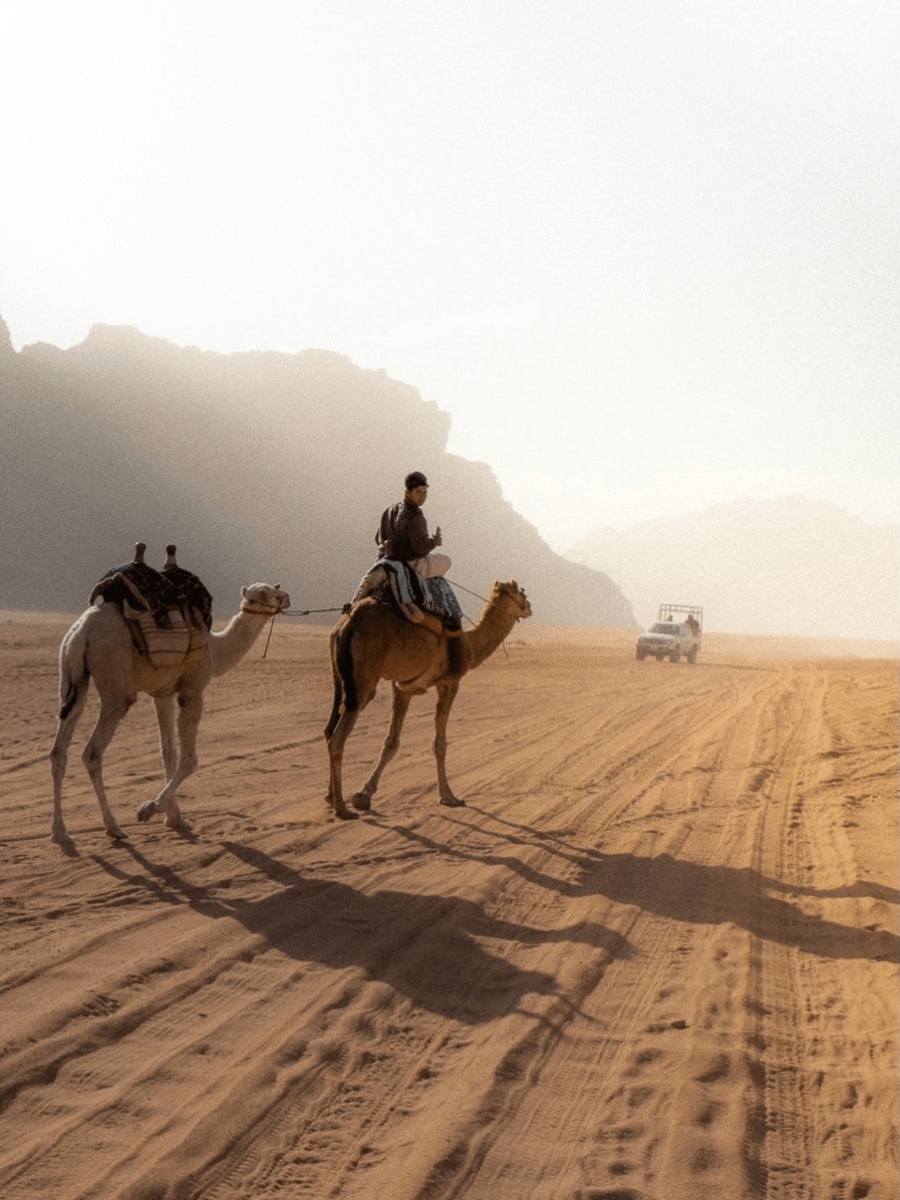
{"x": 427, "y": 602}
{"x": 168, "y": 612}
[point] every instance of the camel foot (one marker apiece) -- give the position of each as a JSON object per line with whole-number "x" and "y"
{"x": 346, "y": 815}
{"x": 116, "y": 833}
{"x": 362, "y": 801}
{"x": 452, "y": 802}
{"x": 63, "y": 838}
{"x": 146, "y": 810}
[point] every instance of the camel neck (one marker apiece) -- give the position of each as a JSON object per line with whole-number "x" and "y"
{"x": 493, "y": 627}
{"x": 229, "y": 647}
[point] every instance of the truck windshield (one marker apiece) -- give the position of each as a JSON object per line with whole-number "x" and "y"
{"x": 664, "y": 627}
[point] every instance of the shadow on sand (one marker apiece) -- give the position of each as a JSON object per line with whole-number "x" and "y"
{"x": 693, "y": 892}
{"x": 423, "y": 946}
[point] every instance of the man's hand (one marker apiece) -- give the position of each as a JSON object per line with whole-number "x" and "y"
{"x": 437, "y": 537}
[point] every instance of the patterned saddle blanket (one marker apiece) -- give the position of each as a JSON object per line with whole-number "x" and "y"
{"x": 168, "y": 612}
{"x": 409, "y": 592}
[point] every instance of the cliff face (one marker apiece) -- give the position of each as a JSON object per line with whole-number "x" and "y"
{"x": 259, "y": 466}
{"x": 7, "y": 353}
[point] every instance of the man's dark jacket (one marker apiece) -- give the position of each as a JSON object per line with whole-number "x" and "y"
{"x": 403, "y": 533}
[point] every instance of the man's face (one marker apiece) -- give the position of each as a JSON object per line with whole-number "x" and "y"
{"x": 418, "y": 495}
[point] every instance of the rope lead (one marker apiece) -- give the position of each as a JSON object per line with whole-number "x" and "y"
{"x": 308, "y": 612}
{"x": 269, "y": 638}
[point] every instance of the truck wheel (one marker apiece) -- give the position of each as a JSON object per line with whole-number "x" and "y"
{"x": 640, "y": 655}
{"x": 674, "y": 656}
{"x": 692, "y": 655}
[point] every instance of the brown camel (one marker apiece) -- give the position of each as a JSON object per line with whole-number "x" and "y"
{"x": 99, "y": 646}
{"x": 371, "y": 643}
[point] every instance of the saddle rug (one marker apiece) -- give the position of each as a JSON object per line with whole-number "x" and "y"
{"x": 414, "y": 595}
{"x": 168, "y": 612}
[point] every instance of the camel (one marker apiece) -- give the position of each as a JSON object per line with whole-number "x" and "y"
{"x": 99, "y": 646}
{"x": 371, "y": 643}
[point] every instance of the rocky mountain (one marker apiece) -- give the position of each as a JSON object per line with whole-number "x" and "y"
{"x": 791, "y": 566}
{"x": 258, "y": 465}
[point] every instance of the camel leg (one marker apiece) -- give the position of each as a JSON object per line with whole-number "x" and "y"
{"x": 446, "y": 695}
{"x": 335, "y": 716}
{"x": 336, "y": 741}
{"x": 111, "y": 715}
{"x": 165, "y": 718}
{"x": 363, "y": 798}
{"x": 329, "y": 732}
{"x": 190, "y": 710}
{"x": 59, "y": 757}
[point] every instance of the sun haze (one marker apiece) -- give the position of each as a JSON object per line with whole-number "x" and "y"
{"x": 645, "y": 256}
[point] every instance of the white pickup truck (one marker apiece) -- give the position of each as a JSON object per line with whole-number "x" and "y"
{"x": 677, "y": 631}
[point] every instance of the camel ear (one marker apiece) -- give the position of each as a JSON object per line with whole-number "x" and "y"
{"x": 244, "y": 593}
{"x": 277, "y": 587}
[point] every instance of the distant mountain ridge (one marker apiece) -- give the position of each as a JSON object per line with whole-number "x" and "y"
{"x": 258, "y": 465}
{"x": 790, "y": 566}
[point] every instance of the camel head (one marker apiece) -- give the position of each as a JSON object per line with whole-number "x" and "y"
{"x": 266, "y": 599}
{"x": 510, "y": 597}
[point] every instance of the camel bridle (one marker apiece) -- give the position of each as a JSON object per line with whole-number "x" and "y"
{"x": 520, "y": 598}
{"x": 260, "y": 609}
{"x": 522, "y": 601}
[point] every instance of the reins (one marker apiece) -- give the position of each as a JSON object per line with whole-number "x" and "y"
{"x": 478, "y": 596}
{"x": 485, "y": 600}
{"x": 308, "y": 612}
{"x": 269, "y": 638}
{"x": 294, "y": 612}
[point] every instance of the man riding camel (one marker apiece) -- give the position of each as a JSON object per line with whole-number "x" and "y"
{"x": 402, "y": 536}
{"x": 403, "y": 532}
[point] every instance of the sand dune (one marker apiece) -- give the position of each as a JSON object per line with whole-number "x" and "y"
{"x": 655, "y": 957}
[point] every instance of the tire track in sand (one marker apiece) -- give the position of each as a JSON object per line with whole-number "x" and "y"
{"x": 574, "y": 987}
{"x": 813, "y": 1137}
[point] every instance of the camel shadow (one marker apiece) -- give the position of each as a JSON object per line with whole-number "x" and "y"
{"x": 711, "y": 895}
{"x": 423, "y": 946}
{"x": 572, "y": 855}
{"x": 695, "y": 893}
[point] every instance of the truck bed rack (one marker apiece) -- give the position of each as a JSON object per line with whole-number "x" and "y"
{"x": 667, "y": 612}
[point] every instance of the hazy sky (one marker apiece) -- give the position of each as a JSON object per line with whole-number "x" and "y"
{"x": 645, "y": 253}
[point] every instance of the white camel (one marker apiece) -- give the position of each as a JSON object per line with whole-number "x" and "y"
{"x": 99, "y": 646}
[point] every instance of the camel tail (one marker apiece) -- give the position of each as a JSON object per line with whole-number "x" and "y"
{"x": 345, "y": 669}
{"x": 74, "y": 674}
{"x": 74, "y": 690}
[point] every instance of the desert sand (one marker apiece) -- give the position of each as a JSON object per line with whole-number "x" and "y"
{"x": 654, "y": 958}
